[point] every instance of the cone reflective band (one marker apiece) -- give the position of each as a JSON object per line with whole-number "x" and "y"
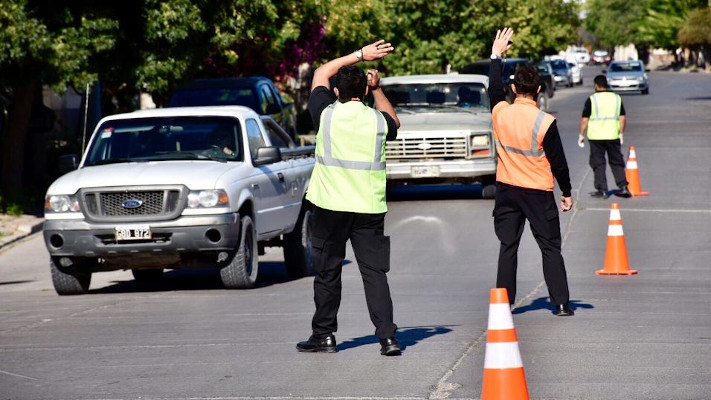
{"x": 504, "y": 377}
{"x": 616, "y": 260}
{"x": 632, "y": 175}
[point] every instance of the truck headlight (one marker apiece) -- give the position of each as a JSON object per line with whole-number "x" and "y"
{"x": 207, "y": 198}
{"x": 479, "y": 145}
{"x": 480, "y": 140}
{"x": 61, "y": 204}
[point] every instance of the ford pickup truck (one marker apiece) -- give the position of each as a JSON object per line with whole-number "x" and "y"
{"x": 446, "y": 135}
{"x": 180, "y": 188}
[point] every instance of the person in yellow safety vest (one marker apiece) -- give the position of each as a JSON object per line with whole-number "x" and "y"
{"x": 604, "y": 118}
{"x": 530, "y": 155}
{"x": 347, "y": 190}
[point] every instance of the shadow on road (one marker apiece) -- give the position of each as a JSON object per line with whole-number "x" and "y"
{"x": 542, "y": 303}
{"x": 434, "y": 192}
{"x": 408, "y": 336}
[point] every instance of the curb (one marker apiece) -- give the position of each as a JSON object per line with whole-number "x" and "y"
{"x": 22, "y": 231}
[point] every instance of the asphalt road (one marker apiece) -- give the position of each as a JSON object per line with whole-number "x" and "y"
{"x": 646, "y": 336}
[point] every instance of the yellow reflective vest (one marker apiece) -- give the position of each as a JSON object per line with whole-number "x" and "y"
{"x": 604, "y": 123}
{"x": 349, "y": 174}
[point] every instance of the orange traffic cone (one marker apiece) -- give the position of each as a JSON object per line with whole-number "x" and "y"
{"x": 616, "y": 262}
{"x": 632, "y": 174}
{"x": 503, "y": 369}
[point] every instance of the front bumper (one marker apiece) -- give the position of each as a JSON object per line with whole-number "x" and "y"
{"x": 627, "y": 86}
{"x": 441, "y": 169}
{"x": 184, "y": 235}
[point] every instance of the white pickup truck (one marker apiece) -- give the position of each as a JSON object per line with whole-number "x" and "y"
{"x": 180, "y": 188}
{"x": 446, "y": 134}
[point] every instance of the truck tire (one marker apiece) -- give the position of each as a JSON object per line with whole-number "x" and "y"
{"x": 241, "y": 272}
{"x": 542, "y": 100}
{"x": 69, "y": 280}
{"x": 147, "y": 275}
{"x": 297, "y": 246}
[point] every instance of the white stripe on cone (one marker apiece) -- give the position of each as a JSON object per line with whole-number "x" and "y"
{"x": 500, "y": 316}
{"x": 502, "y": 356}
{"x": 615, "y": 215}
{"x": 631, "y": 164}
{"x": 615, "y": 230}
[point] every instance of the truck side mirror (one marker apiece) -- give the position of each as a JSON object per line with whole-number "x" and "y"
{"x": 68, "y": 162}
{"x": 267, "y": 155}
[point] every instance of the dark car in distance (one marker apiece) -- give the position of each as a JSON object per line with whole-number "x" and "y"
{"x": 255, "y": 92}
{"x": 509, "y": 66}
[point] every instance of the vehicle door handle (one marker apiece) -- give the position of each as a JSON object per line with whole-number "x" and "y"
{"x": 281, "y": 176}
{"x": 255, "y": 186}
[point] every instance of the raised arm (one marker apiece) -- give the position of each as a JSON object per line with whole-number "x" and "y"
{"x": 371, "y": 52}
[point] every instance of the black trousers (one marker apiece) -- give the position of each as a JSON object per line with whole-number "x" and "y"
{"x": 513, "y": 206}
{"x": 598, "y": 149}
{"x": 330, "y": 232}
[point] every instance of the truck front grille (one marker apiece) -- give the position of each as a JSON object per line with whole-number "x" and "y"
{"x": 407, "y": 148}
{"x": 136, "y": 204}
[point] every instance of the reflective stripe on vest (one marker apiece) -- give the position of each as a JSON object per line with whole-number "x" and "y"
{"x": 604, "y": 123}
{"x": 534, "y": 152}
{"x": 327, "y": 159}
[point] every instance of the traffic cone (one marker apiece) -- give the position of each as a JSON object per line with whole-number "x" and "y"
{"x": 503, "y": 369}
{"x": 632, "y": 174}
{"x": 616, "y": 262}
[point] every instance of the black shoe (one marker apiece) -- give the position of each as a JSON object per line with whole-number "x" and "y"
{"x": 321, "y": 345}
{"x": 624, "y": 192}
{"x": 563, "y": 310}
{"x": 389, "y": 347}
{"x": 599, "y": 194}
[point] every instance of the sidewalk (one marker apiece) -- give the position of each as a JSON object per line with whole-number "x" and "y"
{"x": 14, "y": 228}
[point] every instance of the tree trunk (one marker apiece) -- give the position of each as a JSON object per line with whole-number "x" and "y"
{"x": 13, "y": 149}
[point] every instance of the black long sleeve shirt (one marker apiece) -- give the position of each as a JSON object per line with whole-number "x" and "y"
{"x": 552, "y": 144}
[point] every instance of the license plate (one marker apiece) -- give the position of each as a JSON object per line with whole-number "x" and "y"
{"x": 627, "y": 83}
{"x": 428, "y": 171}
{"x": 132, "y": 233}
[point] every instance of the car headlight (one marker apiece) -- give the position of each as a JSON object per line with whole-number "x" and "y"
{"x": 61, "y": 204}
{"x": 480, "y": 140}
{"x": 641, "y": 78}
{"x": 207, "y": 198}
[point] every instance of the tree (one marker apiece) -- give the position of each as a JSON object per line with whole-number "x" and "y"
{"x": 614, "y": 22}
{"x": 696, "y": 32}
{"x": 42, "y": 42}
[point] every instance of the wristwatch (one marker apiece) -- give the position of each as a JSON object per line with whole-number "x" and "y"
{"x": 359, "y": 53}
{"x": 494, "y": 56}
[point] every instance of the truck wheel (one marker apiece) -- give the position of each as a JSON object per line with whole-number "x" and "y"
{"x": 241, "y": 273}
{"x": 69, "y": 280}
{"x": 488, "y": 187}
{"x": 147, "y": 275}
{"x": 542, "y": 101}
{"x": 297, "y": 246}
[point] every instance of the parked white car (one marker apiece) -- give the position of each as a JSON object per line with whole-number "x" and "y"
{"x": 581, "y": 55}
{"x": 576, "y": 73}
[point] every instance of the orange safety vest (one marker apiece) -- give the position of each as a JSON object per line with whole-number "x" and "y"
{"x": 519, "y": 129}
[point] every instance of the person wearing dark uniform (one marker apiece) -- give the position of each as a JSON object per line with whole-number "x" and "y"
{"x": 604, "y": 119}
{"x": 530, "y": 154}
{"x": 347, "y": 190}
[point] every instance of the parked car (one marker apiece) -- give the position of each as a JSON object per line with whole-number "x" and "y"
{"x": 445, "y": 135}
{"x": 509, "y": 66}
{"x": 562, "y": 75}
{"x": 629, "y": 75}
{"x": 600, "y": 57}
{"x": 255, "y": 92}
{"x": 576, "y": 73}
{"x": 581, "y": 55}
{"x": 185, "y": 187}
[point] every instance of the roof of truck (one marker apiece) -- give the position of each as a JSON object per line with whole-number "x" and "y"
{"x": 219, "y": 111}
{"x": 436, "y": 78}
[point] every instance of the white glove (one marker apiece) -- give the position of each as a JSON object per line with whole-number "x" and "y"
{"x": 622, "y": 140}
{"x": 581, "y": 141}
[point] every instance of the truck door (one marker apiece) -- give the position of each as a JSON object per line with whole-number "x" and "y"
{"x": 272, "y": 186}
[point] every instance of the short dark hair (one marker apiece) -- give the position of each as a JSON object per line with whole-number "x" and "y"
{"x": 601, "y": 80}
{"x": 351, "y": 82}
{"x": 526, "y": 80}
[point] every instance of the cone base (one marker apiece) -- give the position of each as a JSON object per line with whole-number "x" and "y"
{"x": 640, "y": 194}
{"x": 603, "y": 272}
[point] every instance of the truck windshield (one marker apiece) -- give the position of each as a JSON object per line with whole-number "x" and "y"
{"x": 460, "y": 95}
{"x": 173, "y": 138}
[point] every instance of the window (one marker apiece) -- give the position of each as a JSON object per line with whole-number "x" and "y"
{"x": 254, "y": 137}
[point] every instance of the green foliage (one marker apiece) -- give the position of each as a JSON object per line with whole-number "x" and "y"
{"x": 661, "y": 20}
{"x": 613, "y": 22}
{"x": 696, "y": 31}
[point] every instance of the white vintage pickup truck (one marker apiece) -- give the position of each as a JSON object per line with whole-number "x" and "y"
{"x": 180, "y": 188}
